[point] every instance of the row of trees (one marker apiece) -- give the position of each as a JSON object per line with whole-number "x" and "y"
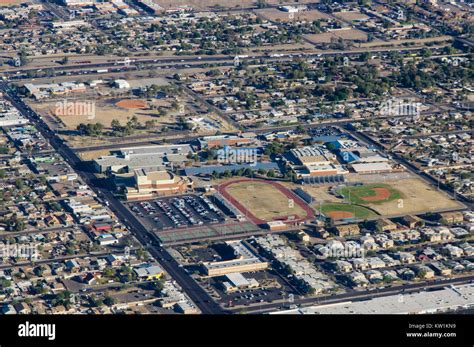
{"x": 117, "y": 129}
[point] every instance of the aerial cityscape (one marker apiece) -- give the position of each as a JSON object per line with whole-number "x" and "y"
{"x": 210, "y": 157}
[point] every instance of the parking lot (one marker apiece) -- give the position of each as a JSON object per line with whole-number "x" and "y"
{"x": 178, "y": 212}
{"x": 272, "y": 289}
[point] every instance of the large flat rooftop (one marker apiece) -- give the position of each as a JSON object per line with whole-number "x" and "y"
{"x": 446, "y": 299}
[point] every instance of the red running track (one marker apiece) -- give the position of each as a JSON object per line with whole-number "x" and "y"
{"x": 289, "y": 194}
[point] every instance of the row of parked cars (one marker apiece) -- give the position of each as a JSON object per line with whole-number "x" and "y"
{"x": 201, "y": 210}
{"x": 180, "y": 204}
{"x": 177, "y": 220}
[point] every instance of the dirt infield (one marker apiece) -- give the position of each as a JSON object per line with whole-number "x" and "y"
{"x": 264, "y": 201}
{"x": 131, "y": 103}
{"x": 380, "y": 194}
{"x": 340, "y": 214}
{"x": 375, "y": 193}
{"x": 339, "y": 211}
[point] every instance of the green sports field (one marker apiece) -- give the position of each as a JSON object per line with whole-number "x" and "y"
{"x": 370, "y": 194}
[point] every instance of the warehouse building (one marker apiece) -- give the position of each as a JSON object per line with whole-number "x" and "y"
{"x": 424, "y": 302}
{"x": 371, "y": 168}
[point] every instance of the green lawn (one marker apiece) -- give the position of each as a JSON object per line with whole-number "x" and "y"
{"x": 358, "y": 211}
{"x": 356, "y": 194}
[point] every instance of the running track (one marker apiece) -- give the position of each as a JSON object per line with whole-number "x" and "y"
{"x": 289, "y": 194}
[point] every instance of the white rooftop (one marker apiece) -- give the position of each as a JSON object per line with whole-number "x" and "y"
{"x": 448, "y": 298}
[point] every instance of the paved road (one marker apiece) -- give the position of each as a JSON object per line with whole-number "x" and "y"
{"x": 178, "y": 61}
{"x": 191, "y": 288}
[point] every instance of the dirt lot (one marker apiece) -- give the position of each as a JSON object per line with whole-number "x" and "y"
{"x": 91, "y": 155}
{"x": 296, "y": 48}
{"x": 351, "y": 16}
{"x": 273, "y": 14}
{"x": 105, "y": 112}
{"x": 12, "y": 2}
{"x": 418, "y": 197}
{"x": 346, "y": 34}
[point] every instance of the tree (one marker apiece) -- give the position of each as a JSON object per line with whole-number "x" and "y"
{"x": 55, "y": 206}
{"x": 300, "y": 129}
{"x": 422, "y": 273}
{"x": 150, "y": 124}
{"x": 115, "y": 124}
{"x": 95, "y": 302}
{"x": 133, "y": 122}
{"x": 19, "y": 183}
{"x": 108, "y": 272}
{"x": 62, "y": 298}
{"x": 109, "y": 301}
{"x": 157, "y": 285}
{"x": 183, "y": 124}
{"x": 90, "y": 129}
{"x": 23, "y": 56}
{"x": 4, "y": 283}
{"x": 261, "y": 3}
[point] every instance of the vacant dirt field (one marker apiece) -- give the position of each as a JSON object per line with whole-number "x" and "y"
{"x": 346, "y": 34}
{"x": 105, "y": 112}
{"x": 273, "y": 14}
{"x": 12, "y": 2}
{"x": 351, "y": 16}
{"x": 286, "y": 48}
{"x": 439, "y": 39}
{"x": 265, "y": 201}
{"x": 91, "y": 155}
